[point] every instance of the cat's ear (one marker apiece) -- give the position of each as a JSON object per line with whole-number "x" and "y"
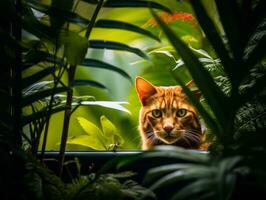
{"x": 144, "y": 89}
{"x": 191, "y": 85}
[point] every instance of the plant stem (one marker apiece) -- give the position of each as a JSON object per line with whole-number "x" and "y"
{"x": 71, "y": 77}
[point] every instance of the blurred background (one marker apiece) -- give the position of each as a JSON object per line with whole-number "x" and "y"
{"x": 157, "y": 69}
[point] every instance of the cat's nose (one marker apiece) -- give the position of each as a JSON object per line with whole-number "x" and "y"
{"x": 168, "y": 128}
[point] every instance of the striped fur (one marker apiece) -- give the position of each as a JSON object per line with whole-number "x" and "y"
{"x": 169, "y": 127}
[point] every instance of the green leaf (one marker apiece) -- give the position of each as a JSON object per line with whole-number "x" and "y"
{"x": 214, "y": 96}
{"x": 100, "y": 44}
{"x": 41, "y": 95}
{"x": 213, "y": 36}
{"x": 75, "y": 47}
{"x": 136, "y": 4}
{"x": 26, "y": 82}
{"x": 80, "y": 82}
{"x": 92, "y": 130}
{"x": 125, "y": 26}
{"x": 228, "y": 13}
{"x": 35, "y": 56}
{"x": 110, "y": 131}
{"x": 37, "y": 115}
{"x": 32, "y": 25}
{"x": 107, "y": 104}
{"x": 58, "y": 13}
{"x": 88, "y": 141}
{"x": 201, "y": 172}
{"x": 194, "y": 188}
{"x": 103, "y": 65}
{"x": 156, "y": 172}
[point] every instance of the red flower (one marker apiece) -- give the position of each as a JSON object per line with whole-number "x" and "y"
{"x": 167, "y": 18}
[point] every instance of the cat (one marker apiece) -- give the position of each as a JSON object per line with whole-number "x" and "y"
{"x": 167, "y": 117}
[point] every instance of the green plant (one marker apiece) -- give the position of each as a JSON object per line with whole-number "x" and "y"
{"x": 106, "y": 138}
{"x": 57, "y": 43}
{"x": 235, "y": 159}
{"x": 42, "y": 45}
{"x": 107, "y": 186}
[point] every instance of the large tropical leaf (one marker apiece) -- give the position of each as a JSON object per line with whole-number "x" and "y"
{"x": 26, "y": 82}
{"x": 124, "y": 26}
{"x": 57, "y": 13}
{"x": 117, "y": 105}
{"x": 41, "y": 95}
{"x": 213, "y": 36}
{"x": 40, "y": 114}
{"x": 101, "y": 44}
{"x": 231, "y": 23}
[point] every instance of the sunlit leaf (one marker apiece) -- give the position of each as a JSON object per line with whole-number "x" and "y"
{"x": 117, "y": 105}
{"x": 110, "y": 131}
{"x": 88, "y": 141}
{"x": 100, "y": 64}
{"x": 90, "y": 128}
{"x": 75, "y": 47}
{"x": 100, "y": 44}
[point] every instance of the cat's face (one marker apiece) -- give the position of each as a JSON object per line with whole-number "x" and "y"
{"x": 166, "y": 116}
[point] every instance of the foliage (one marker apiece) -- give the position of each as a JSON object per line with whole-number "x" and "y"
{"x": 107, "y": 186}
{"x": 240, "y": 56}
{"x": 106, "y": 138}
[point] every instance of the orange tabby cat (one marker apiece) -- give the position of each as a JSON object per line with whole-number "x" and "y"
{"x": 167, "y": 117}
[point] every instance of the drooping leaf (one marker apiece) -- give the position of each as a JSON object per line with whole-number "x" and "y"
{"x": 156, "y": 172}
{"x": 26, "y": 82}
{"x": 41, "y": 95}
{"x": 87, "y": 141}
{"x": 40, "y": 114}
{"x": 117, "y": 105}
{"x": 57, "y": 12}
{"x": 101, "y": 44}
{"x": 213, "y": 36}
{"x": 35, "y": 56}
{"x": 125, "y": 26}
{"x": 99, "y": 64}
{"x": 75, "y": 47}
{"x": 196, "y": 187}
{"x": 32, "y": 25}
{"x": 90, "y": 83}
{"x": 202, "y": 172}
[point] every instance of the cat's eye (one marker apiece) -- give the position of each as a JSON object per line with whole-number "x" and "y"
{"x": 156, "y": 113}
{"x": 181, "y": 112}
